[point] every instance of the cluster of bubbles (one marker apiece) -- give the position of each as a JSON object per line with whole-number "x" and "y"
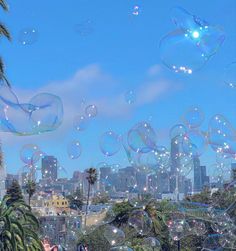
{"x": 192, "y": 44}
{"x": 81, "y": 123}
{"x": 43, "y": 113}
{"x": 130, "y": 97}
{"x": 28, "y": 36}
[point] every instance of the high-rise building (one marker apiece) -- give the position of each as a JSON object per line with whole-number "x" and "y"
{"x": 49, "y": 168}
{"x": 200, "y": 177}
{"x": 2, "y": 174}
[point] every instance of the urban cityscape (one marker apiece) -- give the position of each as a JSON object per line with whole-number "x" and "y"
{"x": 117, "y": 125}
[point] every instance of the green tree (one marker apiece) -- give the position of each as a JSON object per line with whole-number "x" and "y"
{"x": 91, "y": 178}
{"x": 101, "y": 198}
{"x": 14, "y": 192}
{"x": 76, "y": 199}
{"x": 30, "y": 189}
{"x": 3, "y": 33}
{"x": 19, "y": 227}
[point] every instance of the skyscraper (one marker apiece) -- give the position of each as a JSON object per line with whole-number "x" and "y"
{"x": 2, "y": 174}
{"x": 49, "y": 168}
{"x": 200, "y": 177}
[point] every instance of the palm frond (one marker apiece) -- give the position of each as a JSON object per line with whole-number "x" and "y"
{"x": 3, "y": 5}
{"x": 4, "y": 31}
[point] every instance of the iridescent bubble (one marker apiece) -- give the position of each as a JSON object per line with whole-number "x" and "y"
{"x": 151, "y": 244}
{"x": 121, "y": 248}
{"x": 221, "y": 135}
{"x": 28, "y": 36}
{"x": 140, "y": 221}
{"x": 91, "y": 111}
{"x": 29, "y": 154}
{"x": 114, "y": 235}
{"x": 44, "y": 113}
{"x": 194, "y": 117}
{"x": 130, "y": 97}
{"x": 81, "y": 123}
{"x": 177, "y": 130}
{"x": 74, "y": 149}
{"x": 198, "y": 227}
{"x": 178, "y": 229}
{"x": 191, "y": 45}
{"x": 47, "y": 113}
{"x": 110, "y": 143}
{"x": 180, "y": 53}
{"x": 230, "y": 75}
{"x": 194, "y": 143}
{"x": 142, "y": 138}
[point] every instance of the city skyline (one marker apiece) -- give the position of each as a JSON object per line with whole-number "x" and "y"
{"x": 97, "y": 79}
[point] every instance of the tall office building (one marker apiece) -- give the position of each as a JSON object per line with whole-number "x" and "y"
{"x": 200, "y": 177}
{"x": 2, "y": 174}
{"x": 175, "y": 163}
{"x": 49, "y": 168}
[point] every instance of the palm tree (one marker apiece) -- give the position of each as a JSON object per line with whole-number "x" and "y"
{"x": 5, "y": 33}
{"x": 30, "y": 188}
{"x": 91, "y": 178}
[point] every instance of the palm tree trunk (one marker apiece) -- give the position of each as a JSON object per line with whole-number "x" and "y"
{"x": 29, "y": 200}
{"x": 86, "y": 213}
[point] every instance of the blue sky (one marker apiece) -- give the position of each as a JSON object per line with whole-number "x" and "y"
{"x": 120, "y": 54}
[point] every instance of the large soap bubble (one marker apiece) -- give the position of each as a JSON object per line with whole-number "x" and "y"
{"x": 151, "y": 244}
{"x": 222, "y": 135}
{"x": 29, "y": 154}
{"x": 194, "y": 143}
{"x": 47, "y": 112}
{"x": 190, "y": 46}
{"x": 140, "y": 221}
{"x": 194, "y": 117}
{"x": 110, "y": 143}
{"x": 142, "y": 138}
{"x": 43, "y": 113}
{"x": 114, "y": 235}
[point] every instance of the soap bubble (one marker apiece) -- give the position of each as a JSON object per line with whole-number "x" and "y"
{"x": 28, "y": 154}
{"x": 178, "y": 229}
{"x": 136, "y": 10}
{"x": 47, "y": 113}
{"x": 114, "y": 235}
{"x": 198, "y": 227}
{"x": 140, "y": 221}
{"x": 221, "y": 135}
{"x": 142, "y": 138}
{"x": 191, "y": 45}
{"x": 194, "y": 117}
{"x": 91, "y": 111}
{"x": 74, "y": 149}
{"x": 44, "y": 113}
{"x": 230, "y": 75}
{"x": 81, "y": 123}
{"x": 177, "y": 130}
{"x": 194, "y": 143}
{"x": 180, "y": 53}
{"x": 151, "y": 244}
{"x": 110, "y": 143}
{"x": 130, "y": 97}
{"x": 28, "y": 36}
